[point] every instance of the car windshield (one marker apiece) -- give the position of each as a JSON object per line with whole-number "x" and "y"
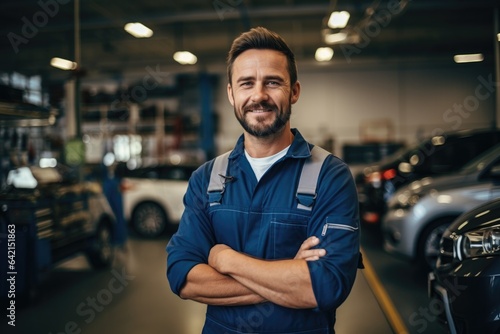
{"x": 399, "y": 155}
{"x": 480, "y": 162}
{"x": 404, "y": 153}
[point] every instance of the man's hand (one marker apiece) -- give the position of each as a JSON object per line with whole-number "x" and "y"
{"x": 307, "y": 253}
{"x": 214, "y": 258}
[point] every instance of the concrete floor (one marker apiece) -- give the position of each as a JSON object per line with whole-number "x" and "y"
{"x": 134, "y": 298}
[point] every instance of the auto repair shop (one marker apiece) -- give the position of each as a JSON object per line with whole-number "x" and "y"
{"x": 107, "y": 107}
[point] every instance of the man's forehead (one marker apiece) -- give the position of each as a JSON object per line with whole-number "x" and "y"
{"x": 254, "y": 59}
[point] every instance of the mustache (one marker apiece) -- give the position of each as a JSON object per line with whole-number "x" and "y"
{"x": 261, "y": 105}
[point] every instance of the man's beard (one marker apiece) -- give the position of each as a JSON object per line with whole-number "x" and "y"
{"x": 260, "y": 130}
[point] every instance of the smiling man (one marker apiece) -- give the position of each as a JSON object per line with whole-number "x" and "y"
{"x": 264, "y": 257}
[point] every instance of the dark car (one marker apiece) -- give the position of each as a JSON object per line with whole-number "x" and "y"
{"x": 44, "y": 219}
{"x": 438, "y": 155}
{"x": 466, "y": 281}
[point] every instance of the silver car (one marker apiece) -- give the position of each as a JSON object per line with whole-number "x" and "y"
{"x": 420, "y": 212}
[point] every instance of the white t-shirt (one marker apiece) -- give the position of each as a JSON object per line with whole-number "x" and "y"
{"x": 261, "y": 165}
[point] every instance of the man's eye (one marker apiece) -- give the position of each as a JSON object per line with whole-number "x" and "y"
{"x": 273, "y": 83}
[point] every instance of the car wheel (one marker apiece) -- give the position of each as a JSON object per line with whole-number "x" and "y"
{"x": 430, "y": 240}
{"x": 100, "y": 254}
{"x": 149, "y": 220}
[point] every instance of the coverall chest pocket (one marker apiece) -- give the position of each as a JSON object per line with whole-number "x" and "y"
{"x": 287, "y": 236}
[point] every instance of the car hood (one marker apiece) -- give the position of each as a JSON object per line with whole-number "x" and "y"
{"x": 484, "y": 216}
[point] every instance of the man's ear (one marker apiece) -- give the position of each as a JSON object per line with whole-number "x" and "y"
{"x": 230, "y": 94}
{"x": 295, "y": 92}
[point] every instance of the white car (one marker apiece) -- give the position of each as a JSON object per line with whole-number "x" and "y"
{"x": 153, "y": 197}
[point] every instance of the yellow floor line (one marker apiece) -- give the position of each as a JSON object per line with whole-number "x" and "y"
{"x": 383, "y": 298}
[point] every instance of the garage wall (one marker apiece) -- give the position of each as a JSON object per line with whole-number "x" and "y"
{"x": 350, "y": 105}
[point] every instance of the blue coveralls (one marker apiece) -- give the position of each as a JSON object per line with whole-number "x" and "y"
{"x": 261, "y": 219}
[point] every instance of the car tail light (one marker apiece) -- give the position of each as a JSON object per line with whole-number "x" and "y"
{"x": 371, "y": 217}
{"x": 375, "y": 178}
{"x": 389, "y": 174}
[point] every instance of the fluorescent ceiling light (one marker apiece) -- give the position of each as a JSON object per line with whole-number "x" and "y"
{"x": 185, "y": 58}
{"x": 323, "y": 54}
{"x": 138, "y": 30}
{"x": 338, "y": 19}
{"x": 335, "y": 38}
{"x": 63, "y": 64}
{"x": 468, "y": 58}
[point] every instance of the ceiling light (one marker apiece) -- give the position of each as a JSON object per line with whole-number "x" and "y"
{"x": 138, "y": 30}
{"x": 498, "y": 36}
{"x": 338, "y": 19}
{"x": 468, "y": 58}
{"x": 63, "y": 64}
{"x": 323, "y": 54}
{"x": 185, "y": 58}
{"x": 335, "y": 38}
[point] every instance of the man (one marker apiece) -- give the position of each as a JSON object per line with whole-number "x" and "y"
{"x": 259, "y": 261}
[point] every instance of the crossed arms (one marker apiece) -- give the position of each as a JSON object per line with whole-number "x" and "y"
{"x": 233, "y": 278}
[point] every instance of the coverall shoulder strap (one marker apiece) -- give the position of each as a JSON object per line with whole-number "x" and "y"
{"x": 218, "y": 178}
{"x": 306, "y": 190}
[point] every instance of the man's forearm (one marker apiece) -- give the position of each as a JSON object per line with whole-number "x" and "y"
{"x": 206, "y": 285}
{"x": 284, "y": 282}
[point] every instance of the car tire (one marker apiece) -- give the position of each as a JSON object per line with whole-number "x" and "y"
{"x": 149, "y": 220}
{"x": 428, "y": 249}
{"x": 100, "y": 254}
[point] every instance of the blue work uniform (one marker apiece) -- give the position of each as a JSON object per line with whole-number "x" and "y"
{"x": 261, "y": 219}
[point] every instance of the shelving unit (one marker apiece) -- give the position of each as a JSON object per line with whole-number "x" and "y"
{"x": 24, "y": 129}
{"x": 177, "y": 119}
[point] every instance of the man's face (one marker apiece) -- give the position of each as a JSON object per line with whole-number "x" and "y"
{"x": 260, "y": 91}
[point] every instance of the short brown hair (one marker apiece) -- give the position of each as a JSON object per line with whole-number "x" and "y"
{"x": 261, "y": 38}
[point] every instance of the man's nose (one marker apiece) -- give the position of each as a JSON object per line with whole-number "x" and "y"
{"x": 259, "y": 94}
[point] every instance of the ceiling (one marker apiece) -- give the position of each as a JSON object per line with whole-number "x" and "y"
{"x": 397, "y": 30}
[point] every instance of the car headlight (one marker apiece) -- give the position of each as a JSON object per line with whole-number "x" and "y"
{"x": 484, "y": 242}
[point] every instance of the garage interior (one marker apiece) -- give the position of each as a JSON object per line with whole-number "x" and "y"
{"x": 384, "y": 83}
{"x": 394, "y": 79}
